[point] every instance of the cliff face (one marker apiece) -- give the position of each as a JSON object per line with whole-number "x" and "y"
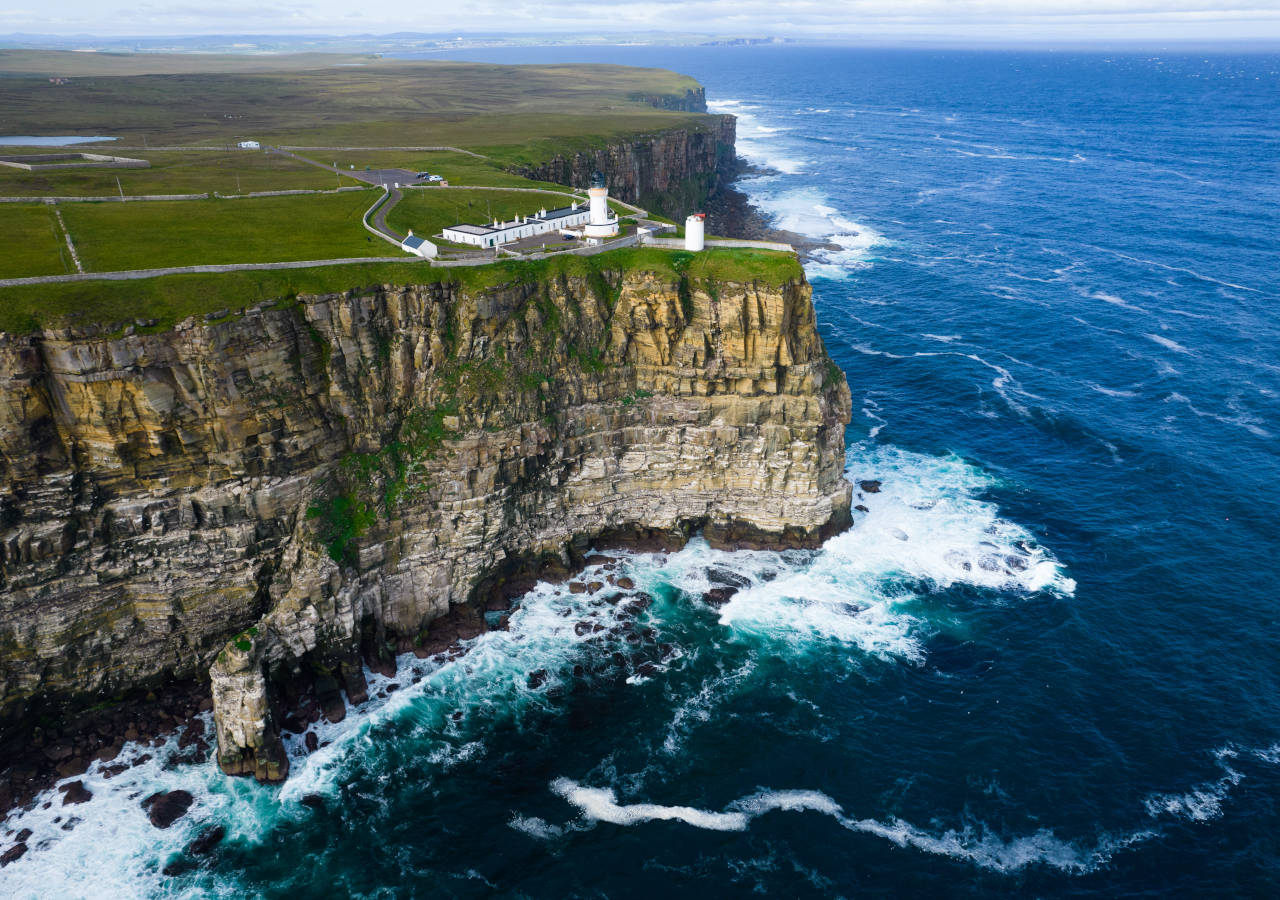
{"x": 671, "y": 173}
{"x": 692, "y": 100}
{"x": 311, "y": 481}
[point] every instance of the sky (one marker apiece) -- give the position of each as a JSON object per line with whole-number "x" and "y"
{"x": 979, "y": 20}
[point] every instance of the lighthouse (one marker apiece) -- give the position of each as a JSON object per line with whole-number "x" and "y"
{"x": 603, "y": 223}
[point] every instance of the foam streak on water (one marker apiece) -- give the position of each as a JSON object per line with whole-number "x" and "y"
{"x": 972, "y": 844}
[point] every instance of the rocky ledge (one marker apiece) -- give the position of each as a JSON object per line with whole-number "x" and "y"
{"x": 324, "y": 481}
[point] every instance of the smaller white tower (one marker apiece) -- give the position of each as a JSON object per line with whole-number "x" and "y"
{"x": 602, "y": 222}
{"x": 695, "y": 232}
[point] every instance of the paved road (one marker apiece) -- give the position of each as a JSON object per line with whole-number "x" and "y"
{"x": 380, "y": 217}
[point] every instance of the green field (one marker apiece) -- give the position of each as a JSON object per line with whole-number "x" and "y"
{"x": 177, "y": 172}
{"x": 171, "y": 298}
{"x": 524, "y": 113}
{"x": 33, "y": 244}
{"x": 146, "y": 235}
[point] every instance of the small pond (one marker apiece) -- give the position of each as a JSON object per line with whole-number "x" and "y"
{"x": 57, "y": 140}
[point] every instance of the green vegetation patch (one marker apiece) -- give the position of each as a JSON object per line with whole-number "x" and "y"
{"x": 33, "y": 242}
{"x": 119, "y": 236}
{"x": 371, "y": 485}
{"x": 176, "y": 172}
{"x": 171, "y": 298}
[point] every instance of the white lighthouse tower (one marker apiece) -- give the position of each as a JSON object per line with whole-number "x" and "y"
{"x": 695, "y": 232}
{"x": 603, "y": 223}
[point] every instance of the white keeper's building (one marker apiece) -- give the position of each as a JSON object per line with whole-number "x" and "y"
{"x": 594, "y": 219}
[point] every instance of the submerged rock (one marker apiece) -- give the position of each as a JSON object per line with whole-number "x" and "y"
{"x": 208, "y": 840}
{"x": 315, "y": 802}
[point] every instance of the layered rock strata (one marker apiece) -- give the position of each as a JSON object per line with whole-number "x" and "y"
{"x": 319, "y": 480}
{"x": 671, "y": 172}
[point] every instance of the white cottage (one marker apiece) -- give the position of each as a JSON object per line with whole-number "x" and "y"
{"x": 418, "y": 246}
{"x": 497, "y": 233}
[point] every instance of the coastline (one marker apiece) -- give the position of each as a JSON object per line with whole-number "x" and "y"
{"x": 731, "y": 214}
{"x": 144, "y": 725}
{"x": 64, "y": 743}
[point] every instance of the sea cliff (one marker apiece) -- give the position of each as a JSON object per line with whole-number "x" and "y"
{"x": 671, "y": 172}
{"x": 285, "y": 491}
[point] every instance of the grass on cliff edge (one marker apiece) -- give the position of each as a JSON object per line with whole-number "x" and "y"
{"x": 171, "y": 298}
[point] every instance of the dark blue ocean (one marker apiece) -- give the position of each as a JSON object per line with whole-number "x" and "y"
{"x": 1045, "y": 662}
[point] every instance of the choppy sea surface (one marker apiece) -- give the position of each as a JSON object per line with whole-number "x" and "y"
{"x": 1044, "y": 662}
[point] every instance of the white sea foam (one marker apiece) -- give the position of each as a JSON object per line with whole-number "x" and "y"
{"x": 757, "y": 141}
{"x": 924, "y": 530}
{"x": 535, "y": 827}
{"x": 1243, "y": 418}
{"x": 697, "y": 709}
{"x": 1204, "y": 801}
{"x": 807, "y": 211}
{"x": 1167, "y": 343}
{"x": 1004, "y": 384}
{"x": 1112, "y": 392}
{"x": 974, "y": 844}
{"x": 107, "y": 846}
{"x": 1116, "y": 301}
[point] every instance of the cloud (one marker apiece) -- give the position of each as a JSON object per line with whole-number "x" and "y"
{"x": 809, "y": 18}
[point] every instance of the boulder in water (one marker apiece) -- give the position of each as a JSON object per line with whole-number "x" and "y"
{"x": 719, "y": 596}
{"x": 871, "y": 486}
{"x": 167, "y": 807}
{"x": 75, "y": 792}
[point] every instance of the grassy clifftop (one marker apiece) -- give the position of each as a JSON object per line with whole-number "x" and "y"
{"x": 169, "y": 299}
{"x": 334, "y": 101}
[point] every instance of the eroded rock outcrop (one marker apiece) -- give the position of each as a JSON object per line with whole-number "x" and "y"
{"x": 320, "y": 480}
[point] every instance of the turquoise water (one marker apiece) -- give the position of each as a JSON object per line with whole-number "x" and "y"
{"x": 25, "y": 140}
{"x": 1043, "y": 663}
